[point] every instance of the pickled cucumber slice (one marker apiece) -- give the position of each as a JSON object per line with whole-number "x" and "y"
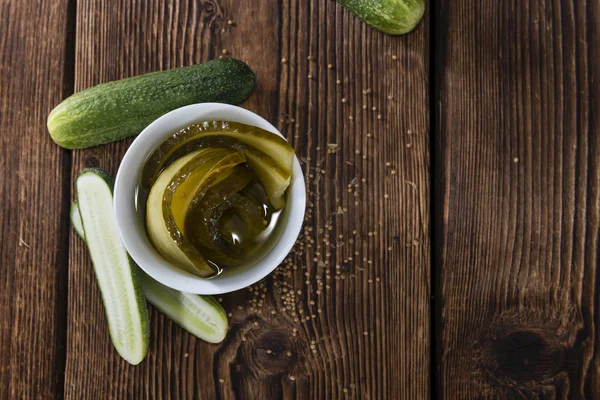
{"x": 267, "y": 153}
{"x": 158, "y": 231}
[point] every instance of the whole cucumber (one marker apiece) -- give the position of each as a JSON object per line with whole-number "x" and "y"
{"x": 395, "y": 17}
{"x": 115, "y": 110}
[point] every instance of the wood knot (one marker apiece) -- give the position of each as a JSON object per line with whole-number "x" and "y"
{"x": 526, "y": 355}
{"x": 209, "y": 7}
{"x": 273, "y": 352}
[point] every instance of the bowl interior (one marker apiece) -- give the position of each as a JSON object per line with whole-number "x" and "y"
{"x": 130, "y": 206}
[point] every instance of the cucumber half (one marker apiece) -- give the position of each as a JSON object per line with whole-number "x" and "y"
{"x": 202, "y": 316}
{"x": 117, "y": 275}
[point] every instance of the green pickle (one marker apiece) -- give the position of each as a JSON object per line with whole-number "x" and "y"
{"x": 214, "y": 191}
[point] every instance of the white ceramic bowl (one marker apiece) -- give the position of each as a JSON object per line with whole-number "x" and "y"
{"x": 130, "y": 211}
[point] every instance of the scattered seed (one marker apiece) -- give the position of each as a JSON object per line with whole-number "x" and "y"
{"x": 330, "y": 66}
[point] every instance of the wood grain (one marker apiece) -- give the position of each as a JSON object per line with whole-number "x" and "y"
{"x": 370, "y": 338}
{"x": 34, "y": 190}
{"x": 517, "y": 223}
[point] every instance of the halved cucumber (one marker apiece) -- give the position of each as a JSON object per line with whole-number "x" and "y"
{"x": 202, "y": 316}
{"x": 117, "y": 275}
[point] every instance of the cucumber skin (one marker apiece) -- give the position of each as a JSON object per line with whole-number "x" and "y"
{"x": 395, "y": 17}
{"x": 115, "y": 110}
{"x": 77, "y": 225}
{"x": 135, "y": 272}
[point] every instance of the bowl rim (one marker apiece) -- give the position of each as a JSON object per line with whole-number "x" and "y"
{"x": 137, "y": 243}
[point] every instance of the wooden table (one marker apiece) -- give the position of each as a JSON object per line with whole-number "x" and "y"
{"x": 462, "y": 259}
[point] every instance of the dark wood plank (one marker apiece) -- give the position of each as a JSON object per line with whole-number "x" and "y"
{"x": 34, "y": 190}
{"x": 367, "y": 333}
{"x": 519, "y": 181}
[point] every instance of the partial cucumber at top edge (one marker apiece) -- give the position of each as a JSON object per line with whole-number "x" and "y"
{"x": 115, "y": 110}
{"x": 117, "y": 275}
{"x": 394, "y": 17}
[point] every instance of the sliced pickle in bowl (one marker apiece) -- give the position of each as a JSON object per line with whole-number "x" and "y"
{"x": 214, "y": 188}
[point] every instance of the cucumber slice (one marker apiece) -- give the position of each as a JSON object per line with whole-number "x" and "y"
{"x": 117, "y": 275}
{"x": 202, "y": 316}
{"x": 76, "y": 220}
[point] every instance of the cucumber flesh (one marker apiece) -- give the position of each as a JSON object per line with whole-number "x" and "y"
{"x": 202, "y": 316}
{"x": 117, "y": 275}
